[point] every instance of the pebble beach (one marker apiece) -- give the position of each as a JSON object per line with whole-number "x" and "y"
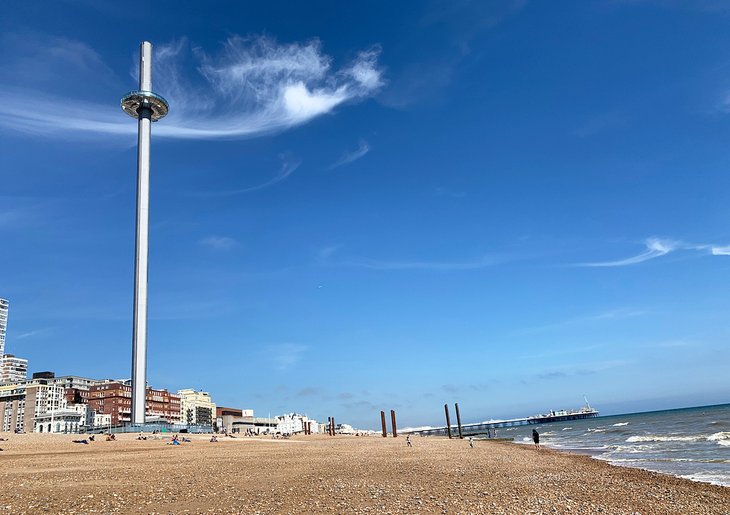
{"x": 319, "y": 474}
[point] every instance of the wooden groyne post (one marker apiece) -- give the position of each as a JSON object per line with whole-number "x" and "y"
{"x": 458, "y": 420}
{"x": 382, "y": 421}
{"x": 448, "y": 420}
{"x": 392, "y": 422}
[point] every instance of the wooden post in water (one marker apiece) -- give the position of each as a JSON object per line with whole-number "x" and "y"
{"x": 382, "y": 421}
{"x": 448, "y": 420}
{"x": 392, "y": 422}
{"x": 458, "y": 420}
{"x": 332, "y": 428}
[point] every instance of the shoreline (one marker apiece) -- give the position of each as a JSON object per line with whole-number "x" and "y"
{"x": 324, "y": 474}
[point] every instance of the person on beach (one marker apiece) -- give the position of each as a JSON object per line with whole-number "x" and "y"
{"x": 536, "y": 439}
{"x": 471, "y": 442}
{"x": 408, "y": 441}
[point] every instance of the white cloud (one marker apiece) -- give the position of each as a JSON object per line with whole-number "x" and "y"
{"x": 351, "y": 155}
{"x": 219, "y": 242}
{"x": 288, "y": 166}
{"x": 424, "y": 265}
{"x": 720, "y": 251}
{"x": 655, "y": 248}
{"x": 286, "y": 355}
{"x": 253, "y": 86}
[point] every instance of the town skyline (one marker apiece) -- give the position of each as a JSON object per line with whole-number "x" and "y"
{"x": 508, "y": 205}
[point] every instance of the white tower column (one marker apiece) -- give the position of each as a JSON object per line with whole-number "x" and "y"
{"x": 146, "y": 107}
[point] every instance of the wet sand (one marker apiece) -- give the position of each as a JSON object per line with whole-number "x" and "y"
{"x": 319, "y": 474}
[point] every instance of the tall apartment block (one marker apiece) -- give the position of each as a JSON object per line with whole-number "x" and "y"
{"x": 3, "y": 324}
{"x": 11, "y": 368}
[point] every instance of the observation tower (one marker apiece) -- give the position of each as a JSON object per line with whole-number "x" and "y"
{"x": 146, "y": 107}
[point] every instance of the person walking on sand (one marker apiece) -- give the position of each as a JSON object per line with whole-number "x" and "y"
{"x": 471, "y": 442}
{"x": 536, "y": 439}
{"x": 408, "y": 441}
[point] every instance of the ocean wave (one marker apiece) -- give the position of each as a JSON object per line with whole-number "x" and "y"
{"x": 566, "y": 428}
{"x": 721, "y": 436}
{"x": 724, "y": 443}
{"x": 621, "y": 424}
{"x": 633, "y": 449}
{"x": 715, "y": 479}
{"x": 664, "y": 438}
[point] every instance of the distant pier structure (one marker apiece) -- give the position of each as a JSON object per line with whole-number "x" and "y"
{"x": 487, "y": 428}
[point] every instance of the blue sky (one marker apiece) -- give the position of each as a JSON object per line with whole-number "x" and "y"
{"x": 359, "y": 207}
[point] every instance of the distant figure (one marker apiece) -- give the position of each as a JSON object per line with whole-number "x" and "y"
{"x": 214, "y": 438}
{"x": 471, "y": 442}
{"x": 536, "y": 438}
{"x": 85, "y": 442}
{"x": 91, "y": 438}
{"x": 408, "y": 441}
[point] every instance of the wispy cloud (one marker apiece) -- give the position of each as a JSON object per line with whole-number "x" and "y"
{"x": 254, "y": 85}
{"x": 308, "y": 391}
{"x": 285, "y": 355}
{"x": 720, "y": 251}
{"x": 288, "y": 166}
{"x": 32, "y": 334}
{"x": 424, "y": 265}
{"x": 611, "y": 315}
{"x": 582, "y": 369}
{"x": 351, "y": 155}
{"x": 655, "y": 248}
{"x": 219, "y": 242}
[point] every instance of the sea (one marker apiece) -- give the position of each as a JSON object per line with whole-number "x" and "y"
{"x": 693, "y": 443}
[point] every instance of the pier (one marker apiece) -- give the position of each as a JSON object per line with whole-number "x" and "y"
{"x": 487, "y": 428}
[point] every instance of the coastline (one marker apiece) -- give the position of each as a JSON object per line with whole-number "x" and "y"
{"x": 324, "y": 474}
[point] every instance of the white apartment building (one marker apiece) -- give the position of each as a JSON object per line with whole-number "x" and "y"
{"x": 13, "y": 369}
{"x": 196, "y": 407}
{"x": 293, "y": 423}
{"x": 21, "y": 403}
{"x": 3, "y": 324}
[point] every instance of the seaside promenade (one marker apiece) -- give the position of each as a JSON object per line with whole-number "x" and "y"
{"x": 318, "y": 474}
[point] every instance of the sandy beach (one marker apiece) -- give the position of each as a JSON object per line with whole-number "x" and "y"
{"x": 318, "y": 474}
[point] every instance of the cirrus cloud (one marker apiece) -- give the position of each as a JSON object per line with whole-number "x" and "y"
{"x": 254, "y": 85}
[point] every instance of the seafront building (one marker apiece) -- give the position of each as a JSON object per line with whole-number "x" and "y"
{"x": 12, "y": 368}
{"x": 196, "y": 407}
{"x": 23, "y": 406}
{"x": 234, "y": 420}
{"x": 3, "y": 324}
{"x": 293, "y": 423}
{"x": 115, "y": 399}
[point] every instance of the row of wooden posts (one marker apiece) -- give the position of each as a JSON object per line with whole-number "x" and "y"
{"x": 392, "y": 422}
{"x": 330, "y": 426}
{"x": 448, "y": 420}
